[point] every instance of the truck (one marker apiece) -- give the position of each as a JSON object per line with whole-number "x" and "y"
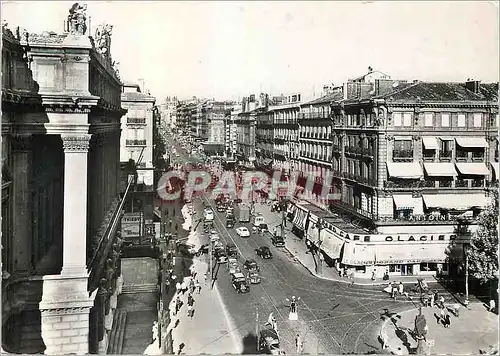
{"x": 230, "y": 220}
{"x": 243, "y": 213}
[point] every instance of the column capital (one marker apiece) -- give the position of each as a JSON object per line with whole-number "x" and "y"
{"x": 76, "y": 143}
{"x": 22, "y": 143}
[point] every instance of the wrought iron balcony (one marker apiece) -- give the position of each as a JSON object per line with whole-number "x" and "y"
{"x": 445, "y": 155}
{"x": 409, "y": 184}
{"x": 136, "y": 142}
{"x": 462, "y": 183}
{"x": 445, "y": 183}
{"x": 477, "y": 183}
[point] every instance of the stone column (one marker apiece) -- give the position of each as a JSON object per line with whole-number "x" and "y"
{"x": 22, "y": 224}
{"x": 75, "y": 203}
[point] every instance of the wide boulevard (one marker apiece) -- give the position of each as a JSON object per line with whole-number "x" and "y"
{"x": 334, "y": 317}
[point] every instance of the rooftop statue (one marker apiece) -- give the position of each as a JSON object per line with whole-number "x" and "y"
{"x": 77, "y": 19}
{"x": 103, "y": 39}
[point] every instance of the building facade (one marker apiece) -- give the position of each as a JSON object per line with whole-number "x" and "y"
{"x": 245, "y": 127}
{"x": 216, "y": 132}
{"x": 61, "y": 199}
{"x": 231, "y": 129}
{"x": 168, "y": 112}
{"x": 137, "y": 131}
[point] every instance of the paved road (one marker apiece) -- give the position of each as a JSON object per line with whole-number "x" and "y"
{"x": 333, "y": 317}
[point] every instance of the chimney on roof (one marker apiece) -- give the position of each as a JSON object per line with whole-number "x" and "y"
{"x": 473, "y": 85}
{"x": 370, "y": 69}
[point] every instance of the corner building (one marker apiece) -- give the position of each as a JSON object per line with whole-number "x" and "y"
{"x": 61, "y": 113}
{"x": 412, "y": 159}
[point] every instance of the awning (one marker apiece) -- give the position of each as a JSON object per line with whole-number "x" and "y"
{"x": 410, "y": 253}
{"x": 330, "y": 244}
{"x": 358, "y": 255}
{"x": 495, "y": 166}
{"x": 444, "y": 169}
{"x": 299, "y": 219}
{"x": 455, "y": 201}
{"x": 473, "y": 168}
{"x": 404, "y": 201}
{"x": 430, "y": 143}
{"x": 471, "y": 141}
{"x": 406, "y": 170}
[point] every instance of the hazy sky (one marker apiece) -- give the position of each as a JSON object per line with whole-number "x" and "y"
{"x": 227, "y": 50}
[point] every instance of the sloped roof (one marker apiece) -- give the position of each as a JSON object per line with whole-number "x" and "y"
{"x": 433, "y": 92}
{"x": 489, "y": 91}
{"x": 325, "y": 99}
{"x": 364, "y": 75}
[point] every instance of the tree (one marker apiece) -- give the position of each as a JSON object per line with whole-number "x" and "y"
{"x": 483, "y": 249}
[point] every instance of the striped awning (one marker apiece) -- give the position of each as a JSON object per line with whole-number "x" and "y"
{"x": 300, "y": 218}
{"x": 404, "y": 201}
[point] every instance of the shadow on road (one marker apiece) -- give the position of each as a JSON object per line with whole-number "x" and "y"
{"x": 249, "y": 344}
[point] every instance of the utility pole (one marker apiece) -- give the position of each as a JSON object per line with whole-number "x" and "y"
{"x": 466, "y": 302}
{"x": 210, "y": 251}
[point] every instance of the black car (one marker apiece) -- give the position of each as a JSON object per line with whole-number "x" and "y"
{"x": 239, "y": 283}
{"x": 221, "y": 208}
{"x": 264, "y": 252}
{"x": 232, "y": 250}
{"x": 251, "y": 265}
{"x": 220, "y": 255}
{"x": 278, "y": 241}
{"x": 263, "y": 228}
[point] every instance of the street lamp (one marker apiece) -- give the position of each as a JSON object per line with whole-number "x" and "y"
{"x": 320, "y": 225}
{"x": 466, "y": 247}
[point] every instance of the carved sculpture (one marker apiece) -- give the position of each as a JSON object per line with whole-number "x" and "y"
{"x": 103, "y": 39}
{"x": 77, "y": 19}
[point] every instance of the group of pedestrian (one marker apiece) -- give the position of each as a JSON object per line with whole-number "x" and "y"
{"x": 395, "y": 289}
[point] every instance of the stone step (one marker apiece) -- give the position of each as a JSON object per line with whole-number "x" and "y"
{"x": 117, "y": 332}
{"x": 139, "y": 288}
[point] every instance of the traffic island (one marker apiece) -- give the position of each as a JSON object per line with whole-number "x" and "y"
{"x": 475, "y": 330}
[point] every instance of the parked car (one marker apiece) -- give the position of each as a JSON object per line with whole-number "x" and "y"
{"x": 232, "y": 250}
{"x": 233, "y": 266}
{"x": 254, "y": 277}
{"x": 214, "y": 238}
{"x": 278, "y": 241}
{"x": 263, "y": 228}
{"x": 208, "y": 214}
{"x": 251, "y": 266}
{"x": 264, "y": 252}
{"x": 239, "y": 283}
{"x": 220, "y": 255}
{"x": 243, "y": 232}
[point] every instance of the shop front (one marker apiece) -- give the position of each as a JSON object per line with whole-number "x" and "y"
{"x": 299, "y": 221}
{"x": 329, "y": 243}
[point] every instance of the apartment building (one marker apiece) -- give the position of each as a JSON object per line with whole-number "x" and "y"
{"x": 137, "y": 131}
{"x": 230, "y": 126}
{"x": 215, "y": 113}
{"x": 168, "y": 111}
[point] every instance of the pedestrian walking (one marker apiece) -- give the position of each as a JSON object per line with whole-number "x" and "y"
{"x": 436, "y": 298}
{"x": 373, "y": 275}
{"x": 432, "y": 300}
{"x": 441, "y": 315}
{"x": 190, "y": 306}
{"x": 456, "y": 309}
{"x": 198, "y": 287}
{"x": 178, "y": 287}
{"x": 184, "y": 287}
{"x": 394, "y": 291}
{"x": 178, "y": 304}
{"x": 441, "y": 301}
{"x": 191, "y": 286}
{"x": 447, "y": 319}
{"x": 401, "y": 288}
{"x": 298, "y": 344}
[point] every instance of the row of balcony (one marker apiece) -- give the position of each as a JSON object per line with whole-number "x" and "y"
{"x": 315, "y": 115}
{"x": 459, "y": 183}
{"x": 285, "y": 121}
{"x": 362, "y": 151}
{"x": 317, "y": 135}
{"x": 318, "y": 156}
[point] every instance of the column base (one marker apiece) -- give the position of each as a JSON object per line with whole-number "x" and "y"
{"x": 65, "y": 308}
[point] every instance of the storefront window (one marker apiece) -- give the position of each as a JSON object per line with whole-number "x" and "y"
{"x": 404, "y": 213}
{"x": 394, "y": 268}
{"x": 428, "y": 267}
{"x": 361, "y": 269}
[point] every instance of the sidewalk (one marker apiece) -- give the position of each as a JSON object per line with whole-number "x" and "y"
{"x": 210, "y": 330}
{"x": 297, "y": 248}
{"x": 476, "y": 329}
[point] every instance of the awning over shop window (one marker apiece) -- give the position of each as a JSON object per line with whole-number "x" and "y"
{"x": 406, "y": 170}
{"x": 444, "y": 169}
{"x": 471, "y": 142}
{"x": 300, "y": 218}
{"x": 405, "y": 201}
{"x": 410, "y": 253}
{"x": 455, "y": 201}
{"x": 358, "y": 255}
{"x": 330, "y": 244}
{"x": 473, "y": 169}
{"x": 291, "y": 208}
{"x": 430, "y": 143}
{"x": 495, "y": 169}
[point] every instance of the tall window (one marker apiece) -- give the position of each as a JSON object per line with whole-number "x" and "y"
{"x": 428, "y": 119}
{"x": 461, "y": 120}
{"x": 478, "y": 119}
{"x": 445, "y": 120}
{"x": 403, "y": 145}
{"x": 397, "y": 118}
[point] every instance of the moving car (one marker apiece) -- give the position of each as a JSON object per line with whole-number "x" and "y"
{"x": 208, "y": 214}
{"x": 251, "y": 266}
{"x": 264, "y": 252}
{"x": 269, "y": 342}
{"x": 221, "y": 208}
{"x": 239, "y": 283}
{"x": 243, "y": 232}
{"x": 263, "y": 228}
{"x": 214, "y": 238}
{"x": 258, "y": 220}
{"x": 232, "y": 250}
{"x": 254, "y": 277}
{"x": 233, "y": 266}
